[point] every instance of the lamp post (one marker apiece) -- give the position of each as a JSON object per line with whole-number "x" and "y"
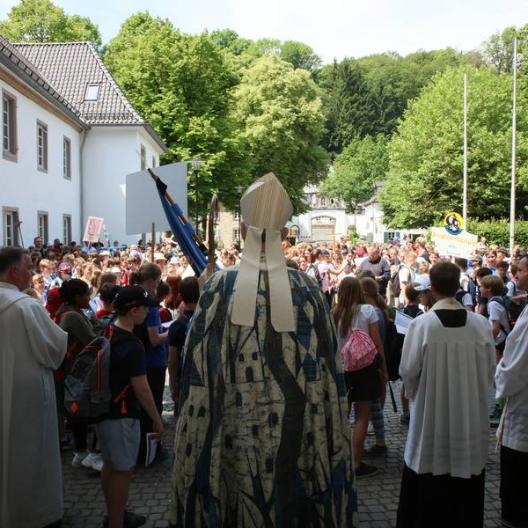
{"x": 196, "y": 164}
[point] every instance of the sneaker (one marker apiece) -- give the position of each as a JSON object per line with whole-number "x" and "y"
{"x": 365, "y": 470}
{"x": 78, "y": 458}
{"x": 93, "y": 461}
{"x": 376, "y": 450}
{"x": 370, "y": 430}
{"x": 131, "y": 520}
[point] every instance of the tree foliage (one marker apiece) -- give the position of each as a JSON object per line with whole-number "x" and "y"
{"x": 498, "y": 49}
{"x": 347, "y": 104}
{"x": 280, "y": 114}
{"x": 355, "y": 171}
{"x": 183, "y": 85}
{"x": 426, "y": 154}
{"x": 42, "y": 21}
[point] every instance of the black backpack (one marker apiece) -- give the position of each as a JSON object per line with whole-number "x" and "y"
{"x": 513, "y": 310}
{"x": 393, "y": 347}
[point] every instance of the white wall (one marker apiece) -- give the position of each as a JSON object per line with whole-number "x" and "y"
{"x": 109, "y": 154}
{"x": 24, "y": 187}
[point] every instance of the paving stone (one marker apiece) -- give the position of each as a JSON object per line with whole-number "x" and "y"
{"x": 150, "y": 490}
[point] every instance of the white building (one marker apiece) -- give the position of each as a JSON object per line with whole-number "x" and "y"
{"x": 69, "y": 138}
{"x": 327, "y": 219}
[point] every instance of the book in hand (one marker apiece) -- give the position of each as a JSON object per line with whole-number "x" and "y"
{"x": 151, "y": 448}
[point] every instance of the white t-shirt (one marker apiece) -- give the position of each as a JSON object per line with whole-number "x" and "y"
{"x": 406, "y": 277}
{"x": 497, "y": 312}
{"x": 467, "y": 300}
{"x": 365, "y": 317}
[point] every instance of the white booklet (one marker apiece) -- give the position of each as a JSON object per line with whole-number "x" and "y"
{"x": 402, "y": 322}
{"x": 151, "y": 448}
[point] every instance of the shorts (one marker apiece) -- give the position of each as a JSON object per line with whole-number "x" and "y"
{"x": 364, "y": 384}
{"x": 119, "y": 442}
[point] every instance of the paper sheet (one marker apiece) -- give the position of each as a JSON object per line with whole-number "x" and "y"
{"x": 402, "y": 322}
{"x": 152, "y": 448}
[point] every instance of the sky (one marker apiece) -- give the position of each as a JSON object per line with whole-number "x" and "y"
{"x": 333, "y": 28}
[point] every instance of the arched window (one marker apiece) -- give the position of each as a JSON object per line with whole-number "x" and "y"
{"x": 323, "y": 201}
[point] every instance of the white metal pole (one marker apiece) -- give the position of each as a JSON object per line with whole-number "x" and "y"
{"x": 465, "y": 181}
{"x": 514, "y": 130}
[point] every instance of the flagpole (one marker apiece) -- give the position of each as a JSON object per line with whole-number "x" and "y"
{"x": 465, "y": 178}
{"x": 514, "y": 138}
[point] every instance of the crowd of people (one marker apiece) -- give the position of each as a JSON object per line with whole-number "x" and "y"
{"x": 260, "y": 406}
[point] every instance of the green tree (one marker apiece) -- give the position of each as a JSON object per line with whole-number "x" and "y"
{"x": 498, "y": 49}
{"x": 42, "y": 21}
{"x": 426, "y": 155}
{"x": 230, "y": 40}
{"x": 393, "y": 80}
{"x": 348, "y": 106}
{"x": 279, "y": 110}
{"x": 355, "y": 171}
{"x": 300, "y": 55}
{"x": 183, "y": 85}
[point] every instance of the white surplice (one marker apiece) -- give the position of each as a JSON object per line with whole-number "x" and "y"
{"x": 447, "y": 373}
{"x": 31, "y": 347}
{"x": 511, "y": 380}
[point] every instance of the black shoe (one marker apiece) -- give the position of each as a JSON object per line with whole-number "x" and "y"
{"x": 131, "y": 520}
{"x": 376, "y": 450}
{"x": 365, "y": 470}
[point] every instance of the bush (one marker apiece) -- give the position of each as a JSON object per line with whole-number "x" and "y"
{"x": 498, "y": 231}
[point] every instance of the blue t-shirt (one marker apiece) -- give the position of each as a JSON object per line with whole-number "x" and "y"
{"x": 156, "y": 355}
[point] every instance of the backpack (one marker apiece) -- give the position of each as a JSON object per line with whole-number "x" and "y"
{"x": 87, "y": 390}
{"x": 513, "y": 310}
{"x": 459, "y": 296}
{"x": 393, "y": 350}
{"x": 359, "y": 351}
{"x": 394, "y": 282}
{"x": 472, "y": 290}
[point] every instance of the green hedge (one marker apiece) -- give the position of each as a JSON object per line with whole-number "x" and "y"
{"x": 498, "y": 231}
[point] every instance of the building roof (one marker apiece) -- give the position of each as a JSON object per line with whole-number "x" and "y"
{"x": 24, "y": 69}
{"x": 72, "y": 67}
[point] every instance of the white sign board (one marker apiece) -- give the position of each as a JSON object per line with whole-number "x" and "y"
{"x": 462, "y": 245}
{"x": 143, "y": 204}
{"x": 93, "y": 229}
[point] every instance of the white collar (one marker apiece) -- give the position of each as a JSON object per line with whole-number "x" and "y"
{"x": 449, "y": 303}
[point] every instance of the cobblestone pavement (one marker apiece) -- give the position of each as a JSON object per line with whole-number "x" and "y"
{"x": 150, "y": 489}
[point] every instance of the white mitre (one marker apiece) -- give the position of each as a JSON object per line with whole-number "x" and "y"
{"x": 265, "y": 206}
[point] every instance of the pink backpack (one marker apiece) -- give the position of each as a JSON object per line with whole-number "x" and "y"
{"x": 359, "y": 351}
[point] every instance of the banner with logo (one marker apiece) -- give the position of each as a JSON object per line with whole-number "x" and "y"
{"x": 462, "y": 245}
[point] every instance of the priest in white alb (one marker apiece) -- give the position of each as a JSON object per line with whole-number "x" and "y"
{"x": 447, "y": 368}
{"x": 31, "y": 347}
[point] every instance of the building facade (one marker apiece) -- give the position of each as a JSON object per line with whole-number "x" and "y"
{"x": 69, "y": 138}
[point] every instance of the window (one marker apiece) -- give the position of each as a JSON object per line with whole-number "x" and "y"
{"x": 9, "y": 134}
{"x": 66, "y": 158}
{"x": 42, "y": 219}
{"x": 11, "y": 227}
{"x": 143, "y": 157}
{"x": 92, "y": 92}
{"x": 323, "y": 202}
{"x": 42, "y": 146}
{"x": 66, "y": 229}
{"x": 236, "y": 215}
{"x": 236, "y": 234}
{"x": 153, "y": 161}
